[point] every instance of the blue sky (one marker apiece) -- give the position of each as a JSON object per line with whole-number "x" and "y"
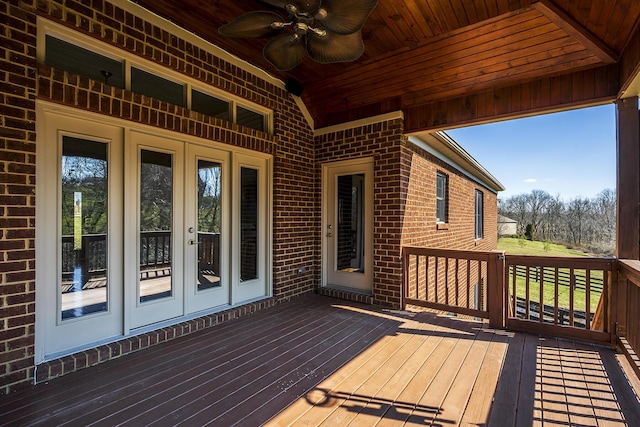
{"x": 571, "y": 154}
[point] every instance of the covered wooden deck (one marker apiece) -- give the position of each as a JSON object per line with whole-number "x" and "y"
{"x": 317, "y": 360}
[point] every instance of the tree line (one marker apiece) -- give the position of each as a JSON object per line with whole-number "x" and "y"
{"x": 582, "y": 222}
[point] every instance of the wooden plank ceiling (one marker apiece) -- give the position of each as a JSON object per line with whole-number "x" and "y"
{"x": 424, "y": 53}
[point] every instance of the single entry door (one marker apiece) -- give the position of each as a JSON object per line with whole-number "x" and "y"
{"x": 348, "y": 224}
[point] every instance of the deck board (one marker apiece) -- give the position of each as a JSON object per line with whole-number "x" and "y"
{"x": 322, "y": 361}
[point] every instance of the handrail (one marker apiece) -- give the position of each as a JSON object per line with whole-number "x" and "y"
{"x": 517, "y": 291}
{"x": 542, "y": 300}
{"x": 626, "y": 303}
{"x": 464, "y": 282}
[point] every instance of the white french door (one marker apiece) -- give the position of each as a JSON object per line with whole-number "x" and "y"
{"x": 137, "y": 227}
{"x": 207, "y": 225}
{"x": 347, "y": 223}
{"x": 79, "y": 233}
{"x": 155, "y": 218}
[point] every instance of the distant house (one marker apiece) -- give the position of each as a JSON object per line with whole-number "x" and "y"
{"x": 507, "y": 226}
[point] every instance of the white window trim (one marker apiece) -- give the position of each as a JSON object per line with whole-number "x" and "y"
{"x": 445, "y": 197}
{"x": 47, "y": 27}
{"x": 478, "y": 211}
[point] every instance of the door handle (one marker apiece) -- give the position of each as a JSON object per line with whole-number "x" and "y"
{"x": 192, "y": 242}
{"x": 329, "y": 234}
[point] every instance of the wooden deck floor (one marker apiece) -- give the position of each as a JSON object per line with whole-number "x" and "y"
{"x": 320, "y": 361}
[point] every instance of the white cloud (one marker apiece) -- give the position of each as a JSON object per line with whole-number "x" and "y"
{"x": 529, "y": 180}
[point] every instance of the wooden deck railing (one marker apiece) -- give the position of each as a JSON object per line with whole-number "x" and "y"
{"x": 582, "y": 298}
{"x": 464, "y": 282}
{"x": 625, "y": 319}
{"x": 559, "y": 295}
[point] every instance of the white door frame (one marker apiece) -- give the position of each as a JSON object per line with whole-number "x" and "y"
{"x": 196, "y": 300}
{"x": 357, "y": 281}
{"x": 145, "y": 313}
{"x": 54, "y": 335}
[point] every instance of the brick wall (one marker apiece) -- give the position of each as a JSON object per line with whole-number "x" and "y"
{"x": 23, "y": 79}
{"x": 296, "y": 185}
{"x": 420, "y": 228}
{"x": 405, "y": 200}
{"x": 383, "y": 141}
{"x": 17, "y": 189}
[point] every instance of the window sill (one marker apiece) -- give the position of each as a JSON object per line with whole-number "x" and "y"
{"x": 442, "y": 226}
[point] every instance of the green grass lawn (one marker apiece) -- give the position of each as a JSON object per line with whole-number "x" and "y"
{"x": 513, "y": 246}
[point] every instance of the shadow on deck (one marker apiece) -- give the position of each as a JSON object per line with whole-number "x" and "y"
{"x": 319, "y": 360}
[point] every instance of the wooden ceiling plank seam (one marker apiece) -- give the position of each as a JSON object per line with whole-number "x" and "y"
{"x": 437, "y": 75}
{"x": 592, "y": 21}
{"x": 441, "y": 17}
{"x": 619, "y": 25}
{"x": 460, "y": 13}
{"x": 418, "y": 29}
{"x": 519, "y": 4}
{"x": 395, "y": 20}
{"x": 492, "y": 8}
{"x": 608, "y": 9}
{"x": 429, "y": 16}
{"x": 549, "y": 9}
{"x": 446, "y": 47}
{"x": 538, "y": 43}
{"x": 471, "y": 11}
{"x": 504, "y": 7}
{"x": 482, "y": 12}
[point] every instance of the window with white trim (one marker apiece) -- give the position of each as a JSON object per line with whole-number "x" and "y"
{"x": 441, "y": 197}
{"x": 116, "y": 69}
{"x": 479, "y": 214}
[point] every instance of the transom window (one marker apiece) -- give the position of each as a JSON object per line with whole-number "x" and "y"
{"x": 134, "y": 74}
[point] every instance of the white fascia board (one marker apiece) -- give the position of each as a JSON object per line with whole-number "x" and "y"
{"x": 457, "y": 158}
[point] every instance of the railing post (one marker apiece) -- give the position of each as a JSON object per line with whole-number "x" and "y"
{"x": 405, "y": 278}
{"x": 619, "y": 307}
{"x": 496, "y": 290}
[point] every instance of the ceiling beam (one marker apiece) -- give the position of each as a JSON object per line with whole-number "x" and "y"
{"x": 563, "y": 20}
{"x": 573, "y": 90}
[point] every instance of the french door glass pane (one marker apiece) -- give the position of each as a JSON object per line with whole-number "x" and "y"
{"x": 209, "y": 224}
{"x": 248, "y": 224}
{"x": 156, "y": 221}
{"x": 84, "y": 227}
{"x": 350, "y": 230}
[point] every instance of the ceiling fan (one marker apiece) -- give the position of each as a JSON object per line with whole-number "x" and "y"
{"x": 326, "y": 30}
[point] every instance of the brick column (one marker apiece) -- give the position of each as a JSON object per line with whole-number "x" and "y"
{"x": 17, "y": 193}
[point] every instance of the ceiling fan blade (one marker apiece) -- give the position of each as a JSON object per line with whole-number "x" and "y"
{"x": 344, "y": 17}
{"x": 286, "y": 51}
{"x": 253, "y": 25}
{"x": 307, "y": 6}
{"x": 335, "y": 47}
